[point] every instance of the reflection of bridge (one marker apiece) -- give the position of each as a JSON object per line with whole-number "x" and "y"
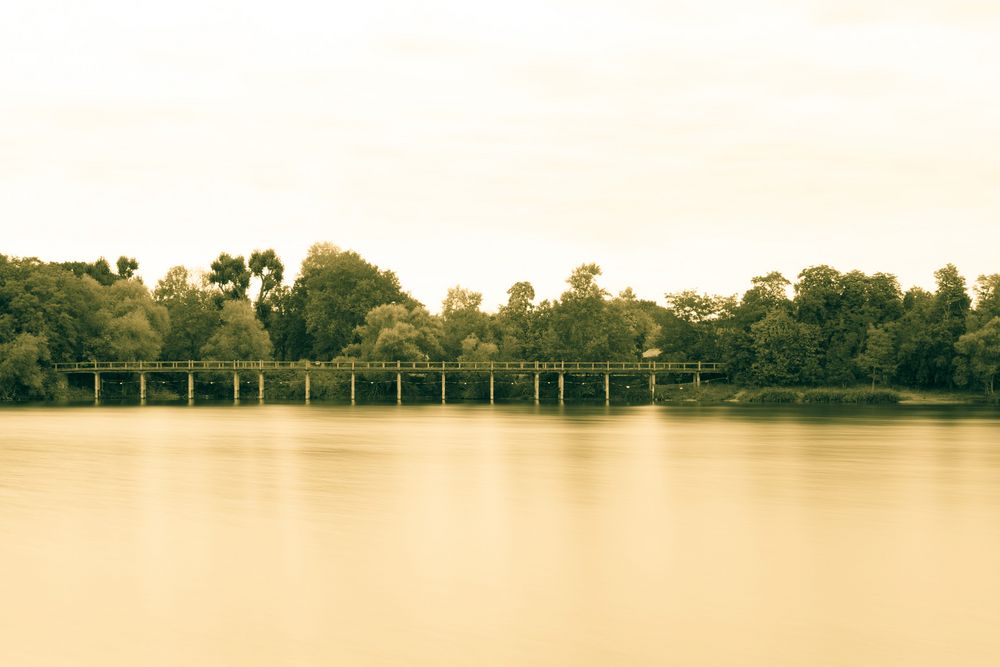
{"x": 536, "y": 368}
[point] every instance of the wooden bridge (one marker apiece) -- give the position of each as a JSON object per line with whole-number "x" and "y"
{"x": 399, "y": 368}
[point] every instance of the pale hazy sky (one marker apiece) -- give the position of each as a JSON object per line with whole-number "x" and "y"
{"x": 677, "y": 144}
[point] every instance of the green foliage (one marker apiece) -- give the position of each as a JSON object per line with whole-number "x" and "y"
{"x": 267, "y": 268}
{"x": 838, "y": 330}
{"x": 641, "y": 331}
{"x": 193, "y": 314}
{"x": 339, "y": 289}
{"x": 786, "y": 351}
{"x": 134, "y": 325}
{"x": 928, "y": 330}
{"x": 50, "y": 301}
{"x": 693, "y": 328}
{"x": 21, "y": 374}
{"x": 856, "y": 396}
{"x": 686, "y": 393}
{"x": 231, "y": 276}
{"x": 980, "y": 352}
{"x": 474, "y": 349}
{"x": 395, "y": 332}
{"x": 240, "y": 336}
{"x": 584, "y": 324}
{"x": 987, "y": 291}
{"x": 878, "y": 359}
{"x": 770, "y": 395}
{"x": 461, "y": 319}
{"x": 99, "y": 270}
{"x": 843, "y": 306}
{"x": 127, "y": 266}
{"x": 517, "y": 323}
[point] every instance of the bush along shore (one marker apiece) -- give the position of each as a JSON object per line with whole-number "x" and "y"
{"x": 864, "y": 395}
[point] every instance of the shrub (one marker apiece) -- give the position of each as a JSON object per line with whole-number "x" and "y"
{"x": 856, "y": 396}
{"x": 771, "y": 395}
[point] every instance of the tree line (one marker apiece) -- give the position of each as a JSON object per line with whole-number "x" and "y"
{"x": 826, "y": 328}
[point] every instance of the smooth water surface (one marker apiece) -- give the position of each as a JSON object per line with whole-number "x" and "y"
{"x": 470, "y": 535}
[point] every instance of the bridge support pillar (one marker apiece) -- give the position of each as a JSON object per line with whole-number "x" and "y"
{"x": 236, "y": 387}
{"x": 491, "y": 387}
{"x": 652, "y": 387}
{"x": 260, "y": 387}
{"x": 399, "y": 388}
{"x": 142, "y": 388}
{"x": 307, "y": 387}
{"x": 536, "y": 387}
{"x": 697, "y": 379}
{"x": 190, "y": 387}
{"x": 353, "y": 383}
{"x": 607, "y": 388}
{"x": 444, "y": 381}
{"x": 97, "y": 387}
{"x": 562, "y": 387}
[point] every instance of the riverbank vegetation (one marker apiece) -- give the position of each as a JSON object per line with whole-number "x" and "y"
{"x": 780, "y": 339}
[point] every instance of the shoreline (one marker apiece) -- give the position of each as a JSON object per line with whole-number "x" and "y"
{"x": 823, "y": 395}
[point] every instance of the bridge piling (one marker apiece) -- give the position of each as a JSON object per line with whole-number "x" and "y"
{"x": 630, "y": 369}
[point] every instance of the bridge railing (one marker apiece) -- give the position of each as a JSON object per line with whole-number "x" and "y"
{"x": 410, "y": 366}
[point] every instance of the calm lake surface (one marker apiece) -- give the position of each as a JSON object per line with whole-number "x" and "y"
{"x": 506, "y": 535}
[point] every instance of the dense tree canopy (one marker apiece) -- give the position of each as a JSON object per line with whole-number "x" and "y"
{"x": 240, "y": 335}
{"x": 827, "y": 327}
{"x": 396, "y": 332}
{"x": 339, "y": 288}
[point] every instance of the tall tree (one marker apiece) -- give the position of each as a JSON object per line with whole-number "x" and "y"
{"x": 786, "y": 351}
{"x": 981, "y": 354}
{"x": 194, "y": 316}
{"x": 987, "y": 292}
{"x": 231, "y": 276}
{"x": 693, "y": 331}
{"x": 578, "y": 325}
{"x": 516, "y": 323}
{"x": 340, "y": 288}
{"x": 462, "y": 318}
{"x": 134, "y": 325}
{"x": 240, "y": 336}
{"x": 127, "y": 266}
{"x": 268, "y": 269}
{"x": 878, "y": 358}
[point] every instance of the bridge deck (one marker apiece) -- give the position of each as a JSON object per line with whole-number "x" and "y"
{"x": 612, "y": 367}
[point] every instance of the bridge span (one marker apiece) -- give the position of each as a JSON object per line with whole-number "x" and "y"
{"x": 536, "y": 368}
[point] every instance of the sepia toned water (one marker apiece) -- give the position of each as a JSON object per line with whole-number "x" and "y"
{"x": 508, "y": 535}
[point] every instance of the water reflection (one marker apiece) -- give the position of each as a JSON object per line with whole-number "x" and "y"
{"x": 511, "y": 535}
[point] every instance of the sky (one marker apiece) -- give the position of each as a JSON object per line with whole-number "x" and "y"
{"x": 680, "y": 145}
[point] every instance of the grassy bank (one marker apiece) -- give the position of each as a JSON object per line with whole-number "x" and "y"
{"x": 865, "y": 395}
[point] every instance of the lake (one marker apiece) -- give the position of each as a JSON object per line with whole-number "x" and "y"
{"x": 499, "y": 535}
